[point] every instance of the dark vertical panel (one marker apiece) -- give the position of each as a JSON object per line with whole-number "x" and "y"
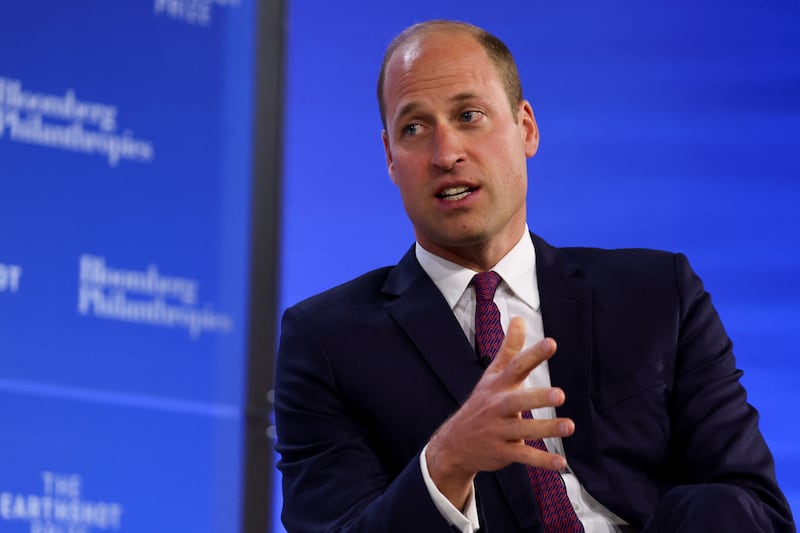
{"x": 265, "y": 231}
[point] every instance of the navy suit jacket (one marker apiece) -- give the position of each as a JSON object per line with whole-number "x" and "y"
{"x": 367, "y": 371}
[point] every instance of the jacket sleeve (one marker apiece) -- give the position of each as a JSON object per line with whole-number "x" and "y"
{"x": 714, "y": 435}
{"x": 332, "y": 473}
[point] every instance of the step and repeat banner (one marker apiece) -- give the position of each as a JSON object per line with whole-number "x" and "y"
{"x": 125, "y": 149}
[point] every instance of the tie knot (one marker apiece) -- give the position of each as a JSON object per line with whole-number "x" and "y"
{"x": 485, "y": 284}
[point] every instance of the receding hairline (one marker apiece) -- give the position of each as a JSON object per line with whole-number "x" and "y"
{"x": 495, "y": 49}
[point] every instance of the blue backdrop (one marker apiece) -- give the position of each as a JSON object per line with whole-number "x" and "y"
{"x": 125, "y": 155}
{"x": 664, "y": 124}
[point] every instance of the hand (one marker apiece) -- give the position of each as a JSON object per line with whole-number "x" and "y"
{"x": 488, "y": 432}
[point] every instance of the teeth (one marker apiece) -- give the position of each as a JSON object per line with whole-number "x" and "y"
{"x": 454, "y": 193}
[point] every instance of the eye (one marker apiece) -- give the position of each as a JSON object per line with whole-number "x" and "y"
{"x": 411, "y": 129}
{"x": 470, "y": 116}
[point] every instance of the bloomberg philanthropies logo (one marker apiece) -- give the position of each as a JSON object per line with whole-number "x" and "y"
{"x": 65, "y": 122}
{"x": 145, "y": 297}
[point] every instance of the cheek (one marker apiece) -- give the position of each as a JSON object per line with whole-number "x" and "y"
{"x": 409, "y": 190}
{"x": 508, "y": 164}
{"x": 408, "y": 172}
{"x": 514, "y": 182}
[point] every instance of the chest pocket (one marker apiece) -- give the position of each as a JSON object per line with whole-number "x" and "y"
{"x": 646, "y": 383}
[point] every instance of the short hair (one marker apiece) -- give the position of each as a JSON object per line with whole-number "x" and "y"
{"x": 498, "y": 53}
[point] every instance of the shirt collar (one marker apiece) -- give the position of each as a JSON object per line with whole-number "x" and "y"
{"x": 517, "y": 269}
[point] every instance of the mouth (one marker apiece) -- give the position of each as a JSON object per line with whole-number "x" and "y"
{"x": 453, "y": 194}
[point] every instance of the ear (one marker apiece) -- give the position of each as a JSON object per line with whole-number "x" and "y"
{"x": 389, "y": 160}
{"x": 528, "y": 128}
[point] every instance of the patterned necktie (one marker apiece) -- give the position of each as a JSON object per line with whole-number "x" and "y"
{"x": 555, "y": 508}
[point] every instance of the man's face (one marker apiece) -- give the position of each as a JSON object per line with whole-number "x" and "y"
{"x": 456, "y": 149}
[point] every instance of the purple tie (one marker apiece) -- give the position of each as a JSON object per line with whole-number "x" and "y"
{"x": 551, "y": 495}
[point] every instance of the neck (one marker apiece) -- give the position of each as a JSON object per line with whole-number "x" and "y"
{"x": 480, "y": 256}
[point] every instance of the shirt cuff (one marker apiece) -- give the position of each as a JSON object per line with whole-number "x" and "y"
{"x": 466, "y": 521}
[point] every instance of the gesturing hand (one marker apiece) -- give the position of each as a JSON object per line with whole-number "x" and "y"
{"x": 488, "y": 432}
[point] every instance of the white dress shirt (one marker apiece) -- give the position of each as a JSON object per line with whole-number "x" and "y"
{"x": 517, "y": 295}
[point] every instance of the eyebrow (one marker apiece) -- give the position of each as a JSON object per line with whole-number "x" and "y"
{"x": 410, "y": 107}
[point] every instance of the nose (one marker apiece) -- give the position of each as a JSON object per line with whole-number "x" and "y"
{"x": 447, "y": 149}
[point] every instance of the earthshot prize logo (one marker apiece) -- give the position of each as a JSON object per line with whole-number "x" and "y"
{"x": 145, "y": 297}
{"x": 60, "y": 508}
{"x": 193, "y": 12}
{"x": 10, "y": 278}
{"x": 65, "y": 122}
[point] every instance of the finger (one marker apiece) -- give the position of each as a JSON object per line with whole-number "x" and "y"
{"x": 519, "y": 366}
{"x": 529, "y": 455}
{"x": 534, "y": 429}
{"x": 512, "y": 344}
{"x": 524, "y": 399}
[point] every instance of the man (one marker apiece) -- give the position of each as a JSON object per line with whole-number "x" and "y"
{"x": 388, "y": 420}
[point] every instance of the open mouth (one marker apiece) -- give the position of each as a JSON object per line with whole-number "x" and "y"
{"x": 452, "y": 194}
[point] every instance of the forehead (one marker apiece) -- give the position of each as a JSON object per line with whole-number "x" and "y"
{"x": 438, "y": 66}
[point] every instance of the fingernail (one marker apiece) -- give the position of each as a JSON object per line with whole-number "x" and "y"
{"x": 558, "y": 463}
{"x": 554, "y": 396}
{"x": 563, "y": 428}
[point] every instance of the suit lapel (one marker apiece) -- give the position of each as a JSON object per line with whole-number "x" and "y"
{"x": 567, "y": 315}
{"x": 422, "y": 313}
